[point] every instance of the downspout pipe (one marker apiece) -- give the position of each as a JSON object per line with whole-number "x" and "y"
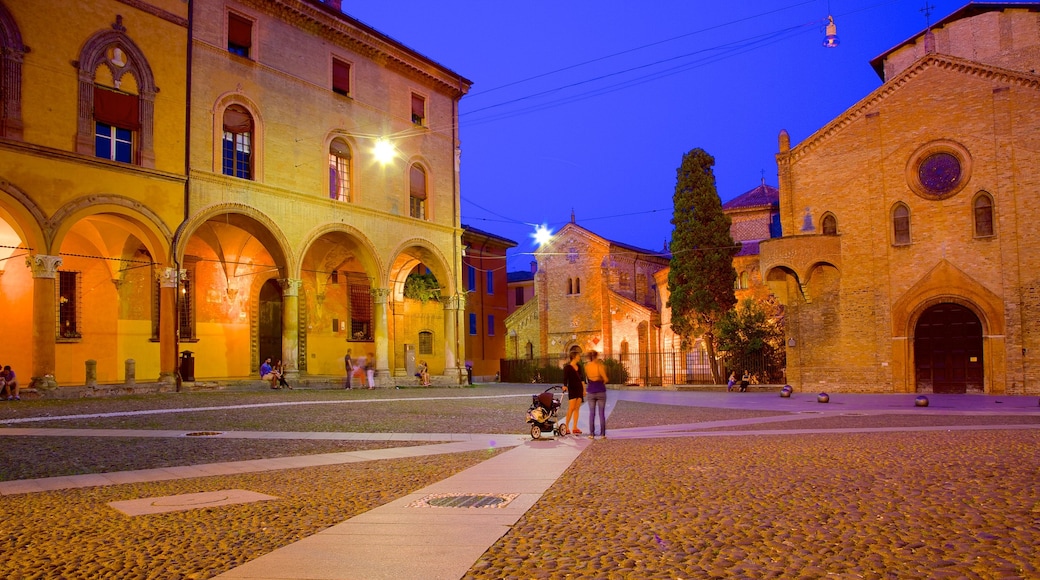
{"x": 187, "y": 189}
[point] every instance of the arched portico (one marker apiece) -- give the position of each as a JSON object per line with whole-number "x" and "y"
{"x": 227, "y": 254}
{"x": 446, "y": 352}
{"x": 339, "y": 272}
{"x": 110, "y": 254}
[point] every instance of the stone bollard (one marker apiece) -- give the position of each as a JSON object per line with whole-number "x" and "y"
{"x": 823, "y": 398}
{"x": 131, "y": 372}
{"x": 91, "y": 374}
{"x": 921, "y": 401}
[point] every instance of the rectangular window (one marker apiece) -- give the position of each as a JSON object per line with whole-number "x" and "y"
{"x": 519, "y": 299}
{"x": 186, "y": 310}
{"x": 113, "y": 143}
{"x": 491, "y": 325}
{"x": 417, "y": 207}
{"x": 490, "y": 282}
{"x": 418, "y": 109}
{"x": 237, "y": 155}
{"x": 360, "y": 312}
{"x": 239, "y": 35}
{"x": 68, "y": 305}
{"x": 335, "y": 325}
{"x": 425, "y": 342}
{"x": 471, "y": 279}
{"x": 340, "y": 77}
{"x": 472, "y": 323}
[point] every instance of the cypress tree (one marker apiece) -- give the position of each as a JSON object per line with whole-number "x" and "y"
{"x": 701, "y": 277}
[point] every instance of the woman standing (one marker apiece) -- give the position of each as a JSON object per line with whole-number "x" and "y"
{"x": 596, "y": 374}
{"x": 575, "y": 391}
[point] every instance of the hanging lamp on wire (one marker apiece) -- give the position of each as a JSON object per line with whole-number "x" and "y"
{"x": 831, "y": 39}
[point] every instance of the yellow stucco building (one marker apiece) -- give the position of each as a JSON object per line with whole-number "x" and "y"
{"x": 910, "y": 261}
{"x": 254, "y": 180}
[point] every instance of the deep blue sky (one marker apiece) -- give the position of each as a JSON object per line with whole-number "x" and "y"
{"x": 722, "y": 76}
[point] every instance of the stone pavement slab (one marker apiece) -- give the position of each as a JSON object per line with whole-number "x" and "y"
{"x": 400, "y": 540}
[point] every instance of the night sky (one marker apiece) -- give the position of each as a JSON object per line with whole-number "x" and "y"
{"x": 590, "y": 106}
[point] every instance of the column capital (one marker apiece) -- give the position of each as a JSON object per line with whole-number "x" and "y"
{"x": 43, "y": 266}
{"x": 168, "y": 277}
{"x": 380, "y": 295}
{"x": 454, "y": 302}
{"x": 290, "y": 286}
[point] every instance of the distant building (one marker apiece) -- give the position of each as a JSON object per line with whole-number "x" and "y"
{"x": 487, "y": 300}
{"x": 755, "y": 217}
{"x": 910, "y": 260}
{"x": 591, "y": 293}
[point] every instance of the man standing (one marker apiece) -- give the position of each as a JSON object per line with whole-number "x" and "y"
{"x": 349, "y": 363}
{"x": 370, "y": 370}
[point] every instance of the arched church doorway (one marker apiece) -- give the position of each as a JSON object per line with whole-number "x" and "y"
{"x": 948, "y": 350}
{"x": 269, "y": 321}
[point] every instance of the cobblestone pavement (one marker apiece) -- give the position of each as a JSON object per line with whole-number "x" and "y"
{"x": 957, "y": 503}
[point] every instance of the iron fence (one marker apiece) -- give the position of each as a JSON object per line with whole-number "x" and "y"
{"x": 648, "y": 369}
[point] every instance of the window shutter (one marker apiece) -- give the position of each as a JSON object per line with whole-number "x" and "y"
{"x": 418, "y": 182}
{"x": 240, "y": 31}
{"x": 418, "y": 107}
{"x": 340, "y": 77}
{"x": 237, "y": 120}
{"x": 117, "y": 109}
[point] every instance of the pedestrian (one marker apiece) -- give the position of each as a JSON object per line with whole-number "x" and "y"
{"x": 744, "y": 380}
{"x": 279, "y": 371}
{"x": 424, "y": 373}
{"x": 349, "y": 363}
{"x": 732, "y": 381}
{"x": 596, "y": 393}
{"x": 9, "y": 384}
{"x": 370, "y": 370}
{"x": 575, "y": 391}
{"x": 267, "y": 373}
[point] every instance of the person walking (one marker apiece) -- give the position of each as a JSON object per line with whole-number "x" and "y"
{"x": 575, "y": 391}
{"x": 349, "y": 363}
{"x": 370, "y": 370}
{"x": 596, "y": 375}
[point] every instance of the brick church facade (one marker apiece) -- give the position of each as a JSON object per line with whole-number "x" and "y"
{"x": 909, "y": 261}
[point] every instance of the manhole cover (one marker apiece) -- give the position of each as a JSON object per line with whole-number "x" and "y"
{"x": 203, "y": 434}
{"x": 465, "y": 500}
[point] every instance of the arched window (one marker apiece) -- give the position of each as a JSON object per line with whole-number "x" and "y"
{"x": 12, "y": 52}
{"x": 577, "y": 285}
{"x": 745, "y": 280}
{"x": 117, "y": 97}
{"x": 529, "y": 350}
{"x": 237, "y": 156}
{"x": 983, "y": 206}
{"x": 339, "y": 170}
{"x": 417, "y": 192}
{"x": 829, "y": 225}
{"x": 570, "y": 286}
{"x": 901, "y": 224}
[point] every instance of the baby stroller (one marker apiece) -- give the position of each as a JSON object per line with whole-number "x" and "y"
{"x": 542, "y": 414}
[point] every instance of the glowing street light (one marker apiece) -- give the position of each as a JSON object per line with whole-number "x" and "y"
{"x": 384, "y": 151}
{"x": 542, "y": 235}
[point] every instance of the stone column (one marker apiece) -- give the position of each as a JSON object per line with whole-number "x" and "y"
{"x": 453, "y": 305}
{"x": 44, "y": 270}
{"x": 380, "y": 297}
{"x": 290, "y": 326}
{"x": 168, "y": 361}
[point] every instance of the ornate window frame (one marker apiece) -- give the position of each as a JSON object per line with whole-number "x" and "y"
{"x": 930, "y": 153}
{"x": 94, "y": 54}
{"x": 12, "y": 54}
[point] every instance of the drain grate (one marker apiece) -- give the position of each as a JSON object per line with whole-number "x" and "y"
{"x": 202, "y": 434}
{"x": 465, "y": 500}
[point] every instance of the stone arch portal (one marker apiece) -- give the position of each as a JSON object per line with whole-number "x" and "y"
{"x": 948, "y": 350}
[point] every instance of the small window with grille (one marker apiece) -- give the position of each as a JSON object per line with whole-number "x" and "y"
{"x": 426, "y": 342}
{"x": 69, "y": 302}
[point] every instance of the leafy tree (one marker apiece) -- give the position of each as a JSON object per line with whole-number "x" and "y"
{"x": 422, "y": 287}
{"x": 754, "y": 329}
{"x": 701, "y": 277}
